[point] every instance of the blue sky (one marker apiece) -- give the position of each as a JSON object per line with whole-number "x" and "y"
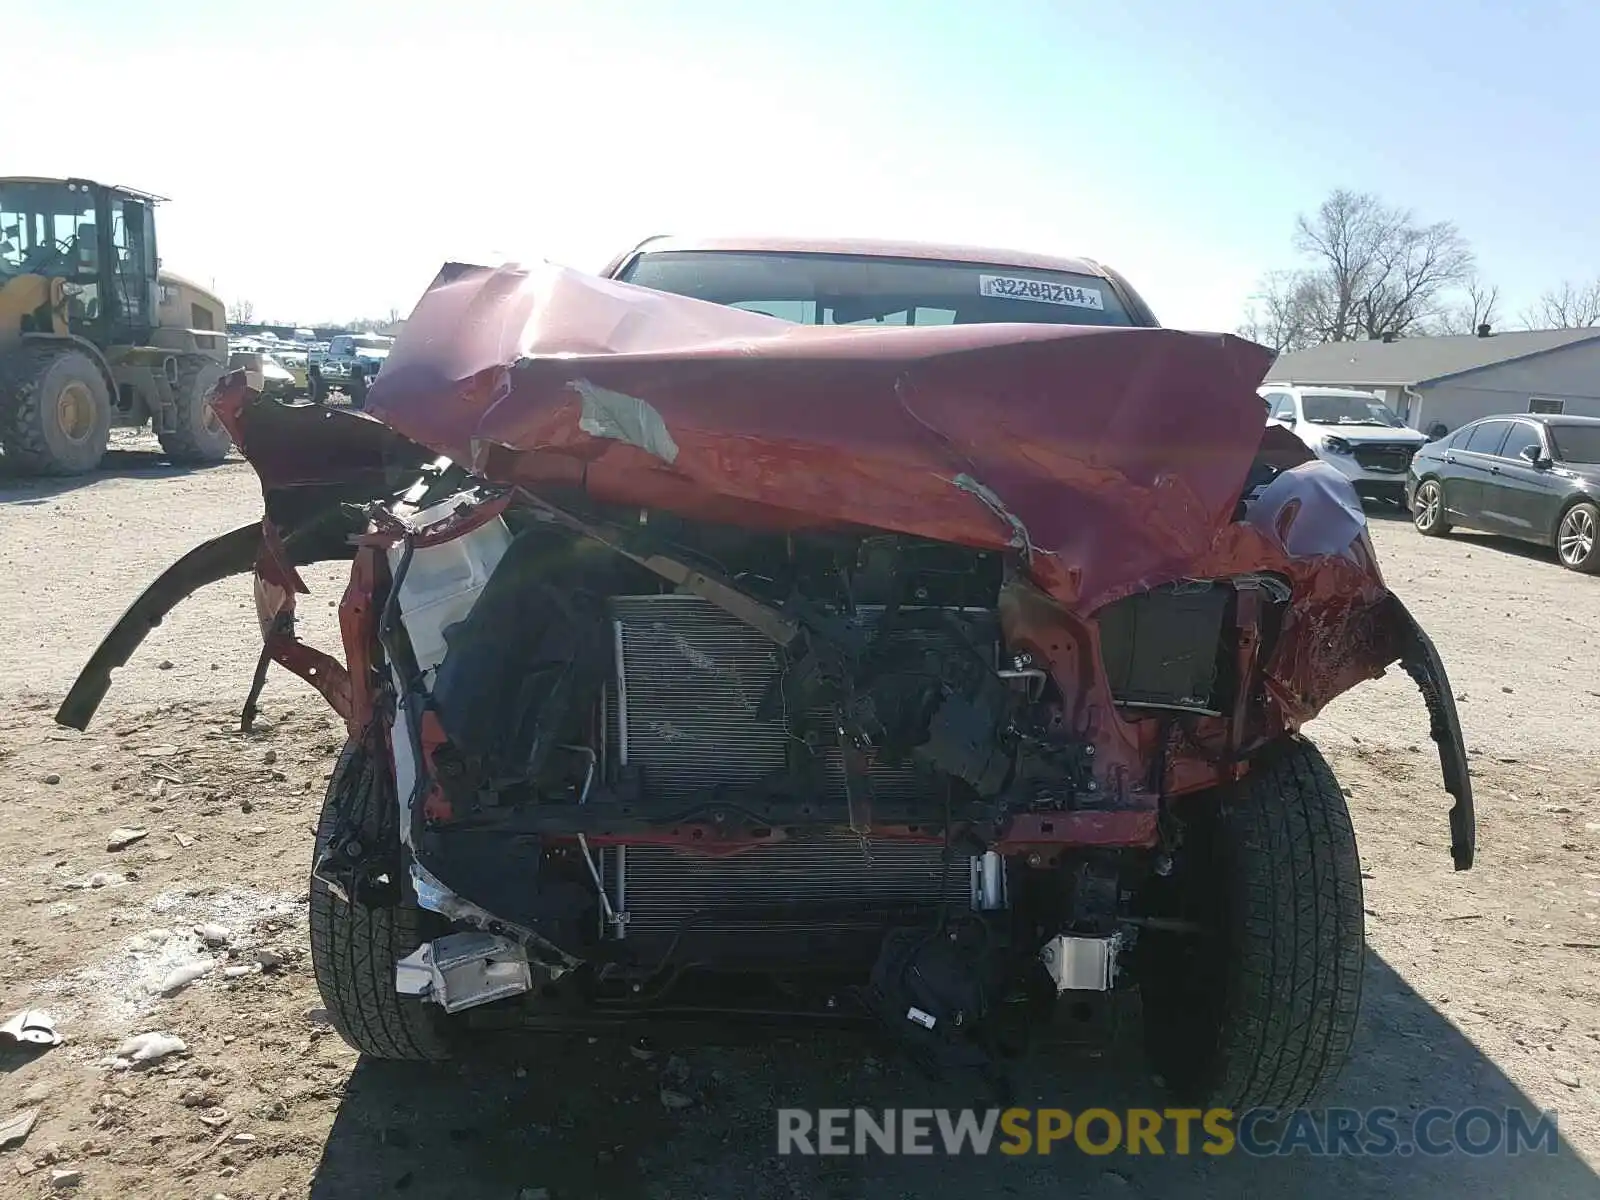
{"x": 324, "y": 158}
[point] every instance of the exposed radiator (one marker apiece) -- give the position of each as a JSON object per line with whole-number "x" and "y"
{"x": 683, "y": 708}
{"x": 830, "y": 874}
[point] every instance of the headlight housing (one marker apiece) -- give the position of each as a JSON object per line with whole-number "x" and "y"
{"x": 1336, "y": 445}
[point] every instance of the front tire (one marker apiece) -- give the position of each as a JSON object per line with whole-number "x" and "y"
{"x": 1261, "y": 1010}
{"x": 197, "y": 436}
{"x": 1427, "y": 511}
{"x": 354, "y": 947}
{"x": 1578, "y": 538}
{"x": 57, "y": 418}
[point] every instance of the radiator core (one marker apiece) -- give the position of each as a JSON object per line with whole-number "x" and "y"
{"x": 682, "y": 711}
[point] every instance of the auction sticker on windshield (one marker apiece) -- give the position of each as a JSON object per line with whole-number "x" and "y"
{"x": 1040, "y": 291}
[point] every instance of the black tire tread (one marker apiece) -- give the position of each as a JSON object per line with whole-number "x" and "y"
{"x": 182, "y": 443}
{"x": 21, "y": 419}
{"x": 354, "y": 948}
{"x": 1295, "y": 986}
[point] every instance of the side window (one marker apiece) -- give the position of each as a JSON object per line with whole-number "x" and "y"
{"x": 1279, "y": 404}
{"x": 1523, "y": 435}
{"x": 1488, "y": 437}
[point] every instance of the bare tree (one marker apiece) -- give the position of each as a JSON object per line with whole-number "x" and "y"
{"x": 1371, "y": 271}
{"x": 1280, "y": 313}
{"x": 1479, "y": 306}
{"x": 1567, "y": 307}
{"x": 242, "y": 312}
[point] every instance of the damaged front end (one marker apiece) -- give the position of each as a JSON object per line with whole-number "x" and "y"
{"x": 728, "y": 667}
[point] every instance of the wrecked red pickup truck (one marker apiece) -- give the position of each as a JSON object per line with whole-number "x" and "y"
{"x": 826, "y": 633}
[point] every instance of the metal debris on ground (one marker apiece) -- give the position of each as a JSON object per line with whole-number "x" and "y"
{"x": 31, "y": 1027}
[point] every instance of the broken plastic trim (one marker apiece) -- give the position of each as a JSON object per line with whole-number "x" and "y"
{"x": 1421, "y": 661}
{"x": 435, "y": 897}
{"x": 463, "y": 970}
{"x": 320, "y": 538}
{"x": 232, "y": 553}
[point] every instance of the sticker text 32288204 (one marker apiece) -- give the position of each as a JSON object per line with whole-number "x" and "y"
{"x": 1040, "y": 291}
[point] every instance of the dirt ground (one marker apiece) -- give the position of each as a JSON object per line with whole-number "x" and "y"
{"x": 1482, "y": 988}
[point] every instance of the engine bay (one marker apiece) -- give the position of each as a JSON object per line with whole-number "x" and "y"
{"x": 651, "y": 748}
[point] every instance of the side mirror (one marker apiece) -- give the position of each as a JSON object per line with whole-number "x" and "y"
{"x": 1288, "y": 419}
{"x": 1534, "y": 455}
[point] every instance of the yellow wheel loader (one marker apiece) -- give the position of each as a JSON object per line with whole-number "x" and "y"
{"x": 94, "y": 334}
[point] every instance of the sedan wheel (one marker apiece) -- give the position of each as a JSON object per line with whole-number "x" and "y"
{"x": 1427, "y": 509}
{"x": 1576, "y": 538}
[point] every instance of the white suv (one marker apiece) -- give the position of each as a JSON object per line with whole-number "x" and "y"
{"x": 1355, "y": 432}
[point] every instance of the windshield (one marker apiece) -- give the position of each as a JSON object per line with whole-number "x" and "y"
{"x": 1349, "y": 410}
{"x": 1575, "y": 443}
{"x": 47, "y": 229}
{"x": 845, "y": 289}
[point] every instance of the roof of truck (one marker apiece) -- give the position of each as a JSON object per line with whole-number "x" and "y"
{"x": 868, "y": 248}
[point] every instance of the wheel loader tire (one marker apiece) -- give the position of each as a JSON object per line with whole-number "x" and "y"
{"x": 1262, "y": 1012}
{"x": 197, "y": 435}
{"x": 354, "y": 947}
{"x": 55, "y": 411}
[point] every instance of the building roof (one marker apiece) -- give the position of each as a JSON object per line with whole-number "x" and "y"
{"x": 1410, "y": 361}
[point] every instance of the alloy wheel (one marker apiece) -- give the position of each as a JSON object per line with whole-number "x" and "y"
{"x": 1430, "y": 502}
{"x": 1575, "y": 541}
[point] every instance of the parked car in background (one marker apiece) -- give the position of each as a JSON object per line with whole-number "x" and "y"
{"x": 293, "y": 359}
{"x": 350, "y": 363}
{"x": 1354, "y": 432}
{"x": 265, "y": 374}
{"x": 1528, "y": 476}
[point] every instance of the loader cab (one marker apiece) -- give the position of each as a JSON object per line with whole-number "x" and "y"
{"x": 99, "y": 240}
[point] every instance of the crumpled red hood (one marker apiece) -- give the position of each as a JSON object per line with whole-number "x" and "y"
{"x": 1113, "y": 457}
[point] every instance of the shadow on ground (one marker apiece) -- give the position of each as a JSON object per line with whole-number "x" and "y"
{"x": 1471, "y": 538}
{"x": 586, "y": 1119}
{"x": 117, "y": 464}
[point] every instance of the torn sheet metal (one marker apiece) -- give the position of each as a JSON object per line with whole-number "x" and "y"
{"x": 1116, "y": 453}
{"x": 608, "y": 414}
{"x": 1105, "y": 461}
